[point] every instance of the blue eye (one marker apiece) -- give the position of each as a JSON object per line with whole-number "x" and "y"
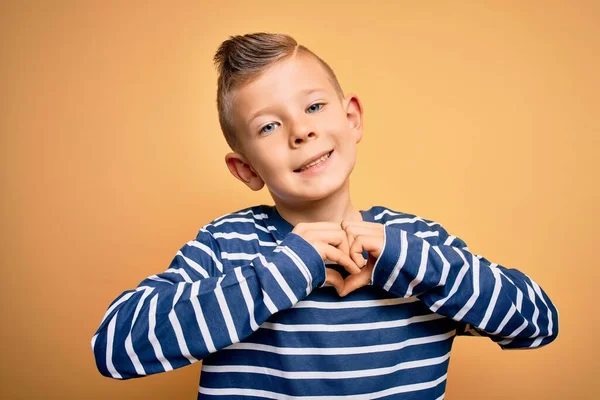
{"x": 312, "y": 107}
{"x": 264, "y": 130}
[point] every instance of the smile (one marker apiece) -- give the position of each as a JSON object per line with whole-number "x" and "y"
{"x": 315, "y": 163}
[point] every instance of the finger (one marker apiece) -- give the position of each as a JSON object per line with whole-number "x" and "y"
{"x": 356, "y": 251}
{"x": 372, "y": 244}
{"x": 353, "y": 282}
{"x": 334, "y": 278}
{"x": 349, "y": 239}
{"x": 336, "y": 255}
{"x": 334, "y": 237}
{"x": 343, "y": 244}
{"x": 360, "y": 244}
{"x": 354, "y": 229}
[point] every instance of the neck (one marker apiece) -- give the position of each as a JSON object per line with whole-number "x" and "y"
{"x": 334, "y": 208}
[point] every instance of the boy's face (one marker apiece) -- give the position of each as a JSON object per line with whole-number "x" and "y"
{"x": 287, "y": 117}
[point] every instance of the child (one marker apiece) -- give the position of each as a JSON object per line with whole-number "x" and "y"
{"x": 311, "y": 298}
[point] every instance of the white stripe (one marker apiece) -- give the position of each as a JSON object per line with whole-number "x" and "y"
{"x": 279, "y": 278}
{"x": 493, "y": 300}
{"x": 519, "y": 299}
{"x": 301, "y": 266}
{"x": 159, "y": 279}
{"x": 109, "y": 347}
{"x": 422, "y": 268}
{"x": 461, "y": 274}
{"x": 549, "y": 315}
{"x": 536, "y": 311}
{"x": 181, "y": 272}
{"x": 238, "y": 256}
{"x": 257, "y": 216}
{"x": 200, "y": 317}
{"x": 362, "y": 373}
{"x": 152, "y": 335}
{"x": 242, "y": 236}
{"x": 400, "y": 263}
{"x": 207, "y": 250}
{"x": 520, "y": 295}
{"x": 247, "y": 297}
{"x": 445, "y": 266}
{"x": 225, "y": 311}
{"x": 351, "y": 327}
{"x": 507, "y": 317}
{"x": 274, "y": 395}
{"x": 234, "y": 220}
{"x": 340, "y": 305}
{"x": 139, "y": 368}
{"x": 467, "y": 307}
{"x": 386, "y": 212}
{"x": 515, "y": 333}
{"x": 519, "y": 292}
{"x": 124, "y": 298}
{"x": 406, "y": 220}
{"x": 269, "y": 303}
{"x": 449, "y": 240}
{"x": 195, "y": 266}
{"x": 322, "y": 351}
{"x": 383, "y": 246}
{"x": 426, "y": 234}
{"x": 177, "y": 326}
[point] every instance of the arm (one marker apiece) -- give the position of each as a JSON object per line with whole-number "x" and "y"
{"x": 487, "y": 299}
{"x": 194, "y": 308}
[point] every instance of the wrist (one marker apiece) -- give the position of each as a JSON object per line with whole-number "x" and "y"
{"x": 390, "y": 260}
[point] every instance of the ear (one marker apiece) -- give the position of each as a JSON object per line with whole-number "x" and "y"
{"x": 239, "y": 167}
{"x": 354, "y": 113}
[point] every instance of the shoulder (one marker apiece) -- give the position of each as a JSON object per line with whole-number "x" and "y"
{"x": 429, "y": 229}
{"x": 243, "y": 220}
{"x": 388, "y": 216}
{"x": 238, "y": 236}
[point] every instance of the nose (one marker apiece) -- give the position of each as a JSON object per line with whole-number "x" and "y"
{"x": 302, "y": 131}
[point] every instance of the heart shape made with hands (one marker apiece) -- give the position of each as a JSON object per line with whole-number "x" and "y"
{"x": 362, "y": 236}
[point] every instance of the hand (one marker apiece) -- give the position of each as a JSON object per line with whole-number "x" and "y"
{"x": 331, "y": 242}
{"x": 362, "y": 236}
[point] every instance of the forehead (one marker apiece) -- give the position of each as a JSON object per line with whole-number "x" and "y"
{"x": 282, "y": 82}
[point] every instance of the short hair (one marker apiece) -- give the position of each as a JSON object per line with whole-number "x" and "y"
{"x": 242, "y": 58}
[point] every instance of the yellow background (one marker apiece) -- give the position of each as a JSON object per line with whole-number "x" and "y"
{"x": 484, "y": 117}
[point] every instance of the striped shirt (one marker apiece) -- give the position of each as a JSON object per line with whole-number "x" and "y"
{"x": 248, "y": 298}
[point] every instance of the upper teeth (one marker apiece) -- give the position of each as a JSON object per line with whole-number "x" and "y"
{"x": 312, "y": 164}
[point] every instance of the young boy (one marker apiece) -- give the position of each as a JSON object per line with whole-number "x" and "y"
{"x": 311, "y": 298}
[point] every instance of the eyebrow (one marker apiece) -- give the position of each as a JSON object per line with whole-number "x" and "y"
{"x": 304, "y": 92}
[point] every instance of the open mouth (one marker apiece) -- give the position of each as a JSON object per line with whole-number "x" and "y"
{"x": 314, "y": 163}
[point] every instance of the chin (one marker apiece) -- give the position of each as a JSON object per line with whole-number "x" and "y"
{"x": 292, "y": 191}
{"x": 322, "y": 190}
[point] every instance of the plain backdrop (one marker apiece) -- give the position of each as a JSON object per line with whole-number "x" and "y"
{"x": 483, "y": 116}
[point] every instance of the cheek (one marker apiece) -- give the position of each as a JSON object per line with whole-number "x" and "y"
{"x": 274, "y": 163}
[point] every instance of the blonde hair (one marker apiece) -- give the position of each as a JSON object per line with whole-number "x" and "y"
{"x": 243, "y": 58}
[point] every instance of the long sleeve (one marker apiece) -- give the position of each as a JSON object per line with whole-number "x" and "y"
{"x": 486, "y": 299}
{"x": 195, "y": 307}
